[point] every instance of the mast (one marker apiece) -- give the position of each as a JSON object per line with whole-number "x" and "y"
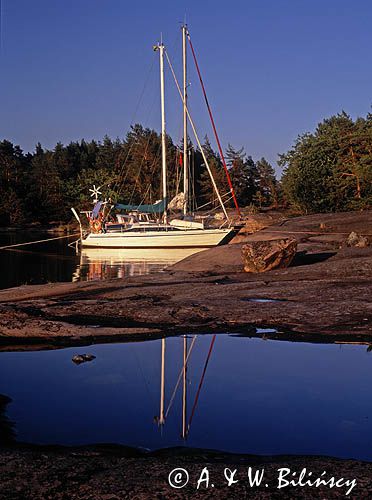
{"x": 184, "y": 391}
{"x": 214, "y": 128}
{"x": 185, "y": 141}
{"x": 160, "y": 47}
{"x": 198, "y": 141}
{"x": 162, "y": 383}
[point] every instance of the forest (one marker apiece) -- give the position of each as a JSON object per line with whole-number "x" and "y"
{"x": 42, "y": 186}
{"x": 324, "y": 171}
{"x": 331, "y": 169}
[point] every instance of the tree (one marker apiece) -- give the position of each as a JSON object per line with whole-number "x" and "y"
{"x": 330, "y": 169}
{"x": 267, "y": 193}
{"x": 244, "y": 175}
{"x": 207, "y": 193}
{"x": 13, "y": 166}
{"x": 44, "y": 198}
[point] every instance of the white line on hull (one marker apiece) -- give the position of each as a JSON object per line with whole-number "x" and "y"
{"x": 158, "y": 239}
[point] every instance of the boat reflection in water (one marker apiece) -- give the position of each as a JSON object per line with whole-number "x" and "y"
{"x": 105, "y": 263}
{"x": 164, "y": 409}
{"x": 238, "y": 394}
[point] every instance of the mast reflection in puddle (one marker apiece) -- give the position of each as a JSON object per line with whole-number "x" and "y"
{"x": 161, "y": 419}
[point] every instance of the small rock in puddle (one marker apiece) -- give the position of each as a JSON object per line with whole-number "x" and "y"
{"x": 248, "y": 299}
{"x": 82, "y": 358}
{"x": 266, "y": 330}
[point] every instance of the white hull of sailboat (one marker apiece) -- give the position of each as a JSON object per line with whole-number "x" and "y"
{"x": 159, "y": 239}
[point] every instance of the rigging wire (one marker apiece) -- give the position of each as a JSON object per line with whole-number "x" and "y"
{"x": 131, "y": 147}
{"x": 147, "y": 79}
{"x": 140, "y": 168}
{"x": 201, "y": 382}
{"x": 212, "y": 201}
{"x": 214, "y": 126}
{"x": 157, "y": 154}
{"x": 197, "y": 138}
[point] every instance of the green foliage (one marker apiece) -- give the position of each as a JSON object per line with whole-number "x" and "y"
{"x": 330, "y": 169}
{"x": 44, "y": 185}
{"x": 206, "y": 190}
{"x": 244, "y": 175}
{"x": 12, "y": 174}
{"x": 267, "y": 193}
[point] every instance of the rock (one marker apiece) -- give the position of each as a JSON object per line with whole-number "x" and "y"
{"x": 251, "y": 226}
{"x": 82, "y": 358}
{"x": 261, "y": 256}
{"x": 7, "y": 432}
{"x": 357, "y": 240}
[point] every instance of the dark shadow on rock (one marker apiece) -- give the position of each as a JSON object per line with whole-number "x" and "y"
{"x": 306, "y": 259}
{"x": 7, "y": 432}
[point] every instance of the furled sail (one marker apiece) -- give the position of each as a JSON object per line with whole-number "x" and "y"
{"x": 156, "y": 208}
{"x": 177, "y": 202}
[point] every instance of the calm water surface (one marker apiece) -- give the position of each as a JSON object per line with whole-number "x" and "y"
{"x": 56, "y": 261}
{"x": 258, "y": 396}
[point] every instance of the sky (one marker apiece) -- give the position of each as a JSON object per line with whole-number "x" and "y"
{"x": 273, "y": 69}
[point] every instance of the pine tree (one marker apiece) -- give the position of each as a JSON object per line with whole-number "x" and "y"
{"x": 13, "y": 167}
{"x": 44, "y": 198}
{"x": 207, "y": 192}
{"x": 244, "y": 175}
{"x": 267, "y": 184}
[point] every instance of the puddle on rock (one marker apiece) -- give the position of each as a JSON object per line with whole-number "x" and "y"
{"x": 258, "y": 397}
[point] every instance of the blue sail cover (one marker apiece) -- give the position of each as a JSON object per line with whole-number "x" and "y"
{"x": 156, "y": 208}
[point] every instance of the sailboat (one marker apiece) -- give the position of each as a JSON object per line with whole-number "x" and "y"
{"x": 148, "y": 226}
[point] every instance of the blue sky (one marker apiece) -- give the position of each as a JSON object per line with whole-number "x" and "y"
{"x": 73, "y": 69}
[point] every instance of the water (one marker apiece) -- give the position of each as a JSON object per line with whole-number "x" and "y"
{"x": 261, "y": 397}
{"x": 258, "y": 396}
{"x": 55, "y": 261}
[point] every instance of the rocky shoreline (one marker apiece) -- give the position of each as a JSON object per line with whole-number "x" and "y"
{"x": 108, "y": 472}
{"x": 323, "y": 296}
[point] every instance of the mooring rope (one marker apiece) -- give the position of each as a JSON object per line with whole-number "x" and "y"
{"x": 6, "y": 247}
